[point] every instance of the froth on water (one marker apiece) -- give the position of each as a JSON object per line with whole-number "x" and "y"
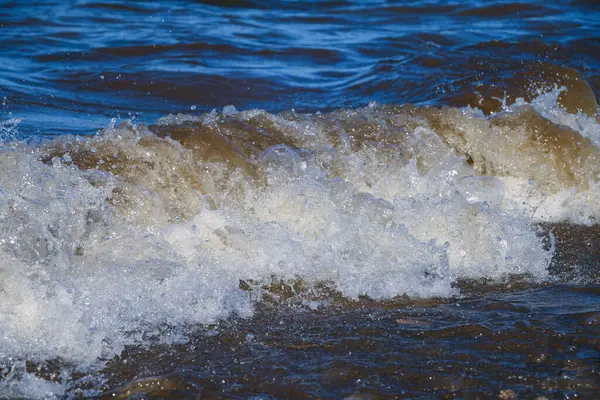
{"x": 198, "y": 217}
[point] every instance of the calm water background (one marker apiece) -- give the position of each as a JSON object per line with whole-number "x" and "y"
{"x": 69, "y": 67}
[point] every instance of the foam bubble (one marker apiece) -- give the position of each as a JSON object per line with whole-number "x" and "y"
{"x": 380, "y": 202}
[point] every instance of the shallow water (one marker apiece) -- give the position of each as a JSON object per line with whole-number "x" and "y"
{"x": 473, "y": 347}
{"x": 277, "y": 200}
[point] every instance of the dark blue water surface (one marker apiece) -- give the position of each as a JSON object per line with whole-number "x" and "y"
{"x": 71, "y": 66}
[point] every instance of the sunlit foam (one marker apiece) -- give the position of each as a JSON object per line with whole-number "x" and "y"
{"x": 109, "y": 237}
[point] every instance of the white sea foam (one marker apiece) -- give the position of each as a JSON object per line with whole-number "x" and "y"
{"x": 80, "y": 277}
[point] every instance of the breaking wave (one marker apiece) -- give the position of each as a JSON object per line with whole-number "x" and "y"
{"x": 106, "y": 239}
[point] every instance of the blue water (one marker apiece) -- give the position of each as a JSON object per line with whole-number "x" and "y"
{"x": 72, "y": 66}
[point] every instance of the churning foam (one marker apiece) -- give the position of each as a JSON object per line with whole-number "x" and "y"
{"x": 106, "y": 238}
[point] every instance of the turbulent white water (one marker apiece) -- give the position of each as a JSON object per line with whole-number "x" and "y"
{"x": 93, "y": 258}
